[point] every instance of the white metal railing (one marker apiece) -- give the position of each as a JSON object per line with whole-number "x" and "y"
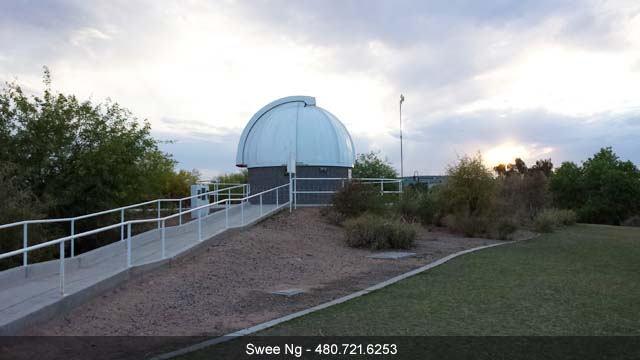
{"x": 373, "y": 181}
{"x": 72, "y": 220}
{"x": 227, "y": 203}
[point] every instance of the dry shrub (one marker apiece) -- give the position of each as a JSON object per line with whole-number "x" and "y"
{"x": 549, "y": 219}
{"x": 376, "y": 232}
{"x": 469, "y": 225}
{"x": 356, "y": 199}
{"x": 332, "y": 216}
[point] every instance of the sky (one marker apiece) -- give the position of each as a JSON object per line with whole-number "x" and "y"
{"x": 507, "y": 78}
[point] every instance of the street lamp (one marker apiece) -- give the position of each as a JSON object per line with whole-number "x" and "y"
{"x": 401, "y": 160}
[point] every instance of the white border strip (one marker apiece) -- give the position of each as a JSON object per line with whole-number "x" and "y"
{"x": 271, "y": 323}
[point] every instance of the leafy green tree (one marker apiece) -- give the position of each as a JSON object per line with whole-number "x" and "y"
{"x": 566, "y": 186}
{"x": 76, "y": 157}
{"x": 371, "y": 165}
{"x": 604, "y": 190}
{"x": 241, "y": 177}
{"x": 469, "y": 189}
{"x": 612, "y": 188}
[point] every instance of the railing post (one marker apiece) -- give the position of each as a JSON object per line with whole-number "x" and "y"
{"x": 163, "y": 240}
{"x": 180, "y": 212}
{"x": 122, "y": 226}
{"x": 199, "y": 228}
{"x": 62, "y": 268}
{"x": 25, "y": 234}
{"x": 382, "y": 185}
{"x": 73, "y": 240}
{"x": 159, "y": 201}
{"x": 277, "y": 192}
{"x": 260, "y": 205}
{"x": 215, "y": 193}
{"x": 242, "y": 212}
{"x": 290, "y": 192}
{"x": 226, "y": 214}
{"x": 229, "y": 194}
{"x": 295, "y": 193}
{"x": 129, "y": 245}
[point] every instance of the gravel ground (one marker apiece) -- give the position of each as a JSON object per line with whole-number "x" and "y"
{"x": 227, "y": 287}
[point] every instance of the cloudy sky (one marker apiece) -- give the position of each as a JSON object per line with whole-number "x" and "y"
{"x": 527, "y": 78}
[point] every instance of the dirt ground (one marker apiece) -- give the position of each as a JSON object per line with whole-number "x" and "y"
{"x": 226, "y": 287}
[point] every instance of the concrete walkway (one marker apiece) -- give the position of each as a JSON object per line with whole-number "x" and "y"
{"x": 32, "y": 294}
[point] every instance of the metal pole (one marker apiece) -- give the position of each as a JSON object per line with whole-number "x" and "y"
{"x": 295, "y": 192}
{"x": 290, "y": 192}
{"x": 163, "y": 239}
{"x": 180, "y": 212}
{"x": 159, "y": 201}
{"x": 277, "y": 192}
{"x": 199, "y": 228}
{"x": 122, "y": 226}
{"x": 229, "y": 193}
{"x": 242, "y": 213}
{"x": 73, "y": 240}
{"x": 25, "y": 234}
{"x": 62, "y": 268}
{"x": 381, "y": 185}
{"x": 226, "y": 214}
{"x": 215, "y": 194}
{"x": 260, "y": 205}
{"x": 401, "y": 159}
{"x": 129, "y": 245}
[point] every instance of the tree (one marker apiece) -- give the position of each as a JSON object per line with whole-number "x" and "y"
{"x": 76, "y": 157}
{"x": 470, "y": 187}
{"x": 372, "y": 166}
{"x": 241, "y": 177}
{"x": 566, "y": 188}
{"x": 604, "y": 190}
{"x": 612, "y": 188}
{"x": 544, "y": 166}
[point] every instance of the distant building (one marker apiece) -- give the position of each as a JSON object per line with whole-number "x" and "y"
{"x": 426, "y": 180}
{"x": 293, "y": 130}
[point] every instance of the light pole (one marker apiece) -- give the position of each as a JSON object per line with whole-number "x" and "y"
{"x": 401, "y": 159}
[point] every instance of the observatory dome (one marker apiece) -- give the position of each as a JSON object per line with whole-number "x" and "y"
{"x": 294, "y": 128}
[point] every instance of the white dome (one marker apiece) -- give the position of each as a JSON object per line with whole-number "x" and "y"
{"x": 295, "y": 128}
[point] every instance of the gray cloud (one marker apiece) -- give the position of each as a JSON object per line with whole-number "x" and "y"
{"x": 438, "y": 48}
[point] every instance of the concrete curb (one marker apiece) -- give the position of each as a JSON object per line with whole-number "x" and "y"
{"x": 274, "y": 322}
{"x": 70, "y": 301}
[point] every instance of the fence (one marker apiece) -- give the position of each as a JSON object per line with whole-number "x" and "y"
{"x": 318, "y": 191}
{"x": 201, "y": 227}
{"x": 228, "y": 191}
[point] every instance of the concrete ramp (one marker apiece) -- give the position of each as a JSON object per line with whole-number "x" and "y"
{"x": 31, "y": 294}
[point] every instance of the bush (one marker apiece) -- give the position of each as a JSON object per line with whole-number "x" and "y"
{"x": 356, "y": 199}
{"x": 417, "y": 204}
{"x": 547, "y": 220}
{"x": 504, "y": 227}
{"x": 332, "y": 216}
{"x": 566, "y": 217}
{"x": 469, "y": 225}
{"x": 470, "y": 189}
{"x": 376, "y": 232}
{"x": 632, "y": 221}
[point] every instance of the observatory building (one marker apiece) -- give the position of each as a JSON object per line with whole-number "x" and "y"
{"x": 294, "y": 135}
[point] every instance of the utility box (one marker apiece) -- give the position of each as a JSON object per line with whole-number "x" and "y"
{"x": 199, "y": 198}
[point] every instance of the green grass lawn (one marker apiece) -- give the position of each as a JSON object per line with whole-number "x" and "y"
{"x": 582, "y": 280}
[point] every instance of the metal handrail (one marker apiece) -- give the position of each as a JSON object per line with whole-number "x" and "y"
{"x": 128, "y": 223}
{"x": 104, "y": 212}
